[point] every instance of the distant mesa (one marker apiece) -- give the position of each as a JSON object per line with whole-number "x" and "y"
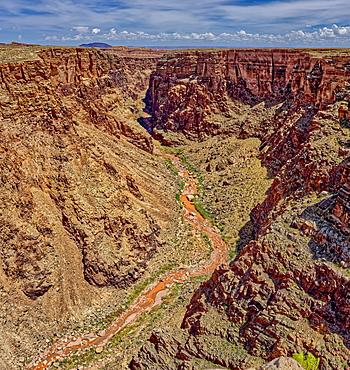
{"x": 100, "y": 45}
{"x": 18, "y": 43}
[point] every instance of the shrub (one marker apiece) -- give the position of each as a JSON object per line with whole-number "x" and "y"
{"x": 307, "y": 360}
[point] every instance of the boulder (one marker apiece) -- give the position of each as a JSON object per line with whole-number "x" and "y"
{"x": 282, "y": 363}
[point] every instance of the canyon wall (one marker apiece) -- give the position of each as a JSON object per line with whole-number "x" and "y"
{"x": 139, "y": 63}
{"x": 287, "y": 291}
{"x": 192, "y": 92}
{"x": 84, "y": 204}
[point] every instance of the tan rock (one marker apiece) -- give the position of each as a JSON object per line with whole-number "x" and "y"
{"x": 282, "y": 363}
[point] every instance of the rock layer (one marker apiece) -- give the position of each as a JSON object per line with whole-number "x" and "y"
{"x": 189, "y": 90}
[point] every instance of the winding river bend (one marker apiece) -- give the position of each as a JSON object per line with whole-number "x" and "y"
{"x": 153, "y": 294}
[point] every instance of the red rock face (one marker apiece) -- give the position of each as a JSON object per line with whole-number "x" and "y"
{"x": 48, "y": 98}
{"x": 341, "y": 209}
{"x": 188, "y": 88}
{"x": 86, "y": 76}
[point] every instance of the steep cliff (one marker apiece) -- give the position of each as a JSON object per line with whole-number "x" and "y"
{"x": 85, "y": 207}
{"x": 287, "y": 290}
{"x": 139, "y": 63}
{"x": 202, "y": 93}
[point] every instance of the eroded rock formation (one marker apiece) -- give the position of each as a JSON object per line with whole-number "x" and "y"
{"x": 192, "y": 92}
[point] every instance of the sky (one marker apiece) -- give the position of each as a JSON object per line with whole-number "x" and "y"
{"x": 235, "y": 23}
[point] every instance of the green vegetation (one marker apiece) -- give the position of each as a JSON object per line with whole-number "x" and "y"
{"x": 232, "y": 253}
{"x": 174, "y": 171}
{"x": 107, "y": 321}
{"x": 165, "y": 268}
{"x": 207, "y": 239}
{"x": 137, "y": 290}
{"x": 192, "y": 169}
{"x": 178, "y": 195}
{"x": 234, "y": 249}
{"x": 71, "y": 361}
{"x": 171, "y": 150}
{"x": 201, "y": 209}
{"x": 171, "y": 166}
{"x": 307, "y": 360}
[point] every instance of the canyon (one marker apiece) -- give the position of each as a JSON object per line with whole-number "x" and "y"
{"x": 287, "y": 289}
{"x": 91, "y": 213}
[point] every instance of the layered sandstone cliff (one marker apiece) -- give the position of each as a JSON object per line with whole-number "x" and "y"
{"x": 192, "y": 92}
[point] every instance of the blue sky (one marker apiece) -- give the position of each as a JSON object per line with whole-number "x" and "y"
{"x": 241, "y": 23}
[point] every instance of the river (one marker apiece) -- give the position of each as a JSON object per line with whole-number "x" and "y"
{"x": 153, "y": 294}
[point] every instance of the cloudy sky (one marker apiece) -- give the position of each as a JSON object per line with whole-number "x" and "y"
{"x": 241, "y": 23}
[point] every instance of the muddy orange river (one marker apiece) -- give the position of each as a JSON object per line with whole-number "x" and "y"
{"x": 153, "y": 294}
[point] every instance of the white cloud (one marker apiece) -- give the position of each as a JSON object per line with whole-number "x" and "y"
{"x": 52, "y": 38}
{"x": 75, "y": 38}
{"x": 333, "y": 36}
{"x": 81, "y": 29}
{"x": 198, "y": 20}
{"x": 341, "y": 31}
